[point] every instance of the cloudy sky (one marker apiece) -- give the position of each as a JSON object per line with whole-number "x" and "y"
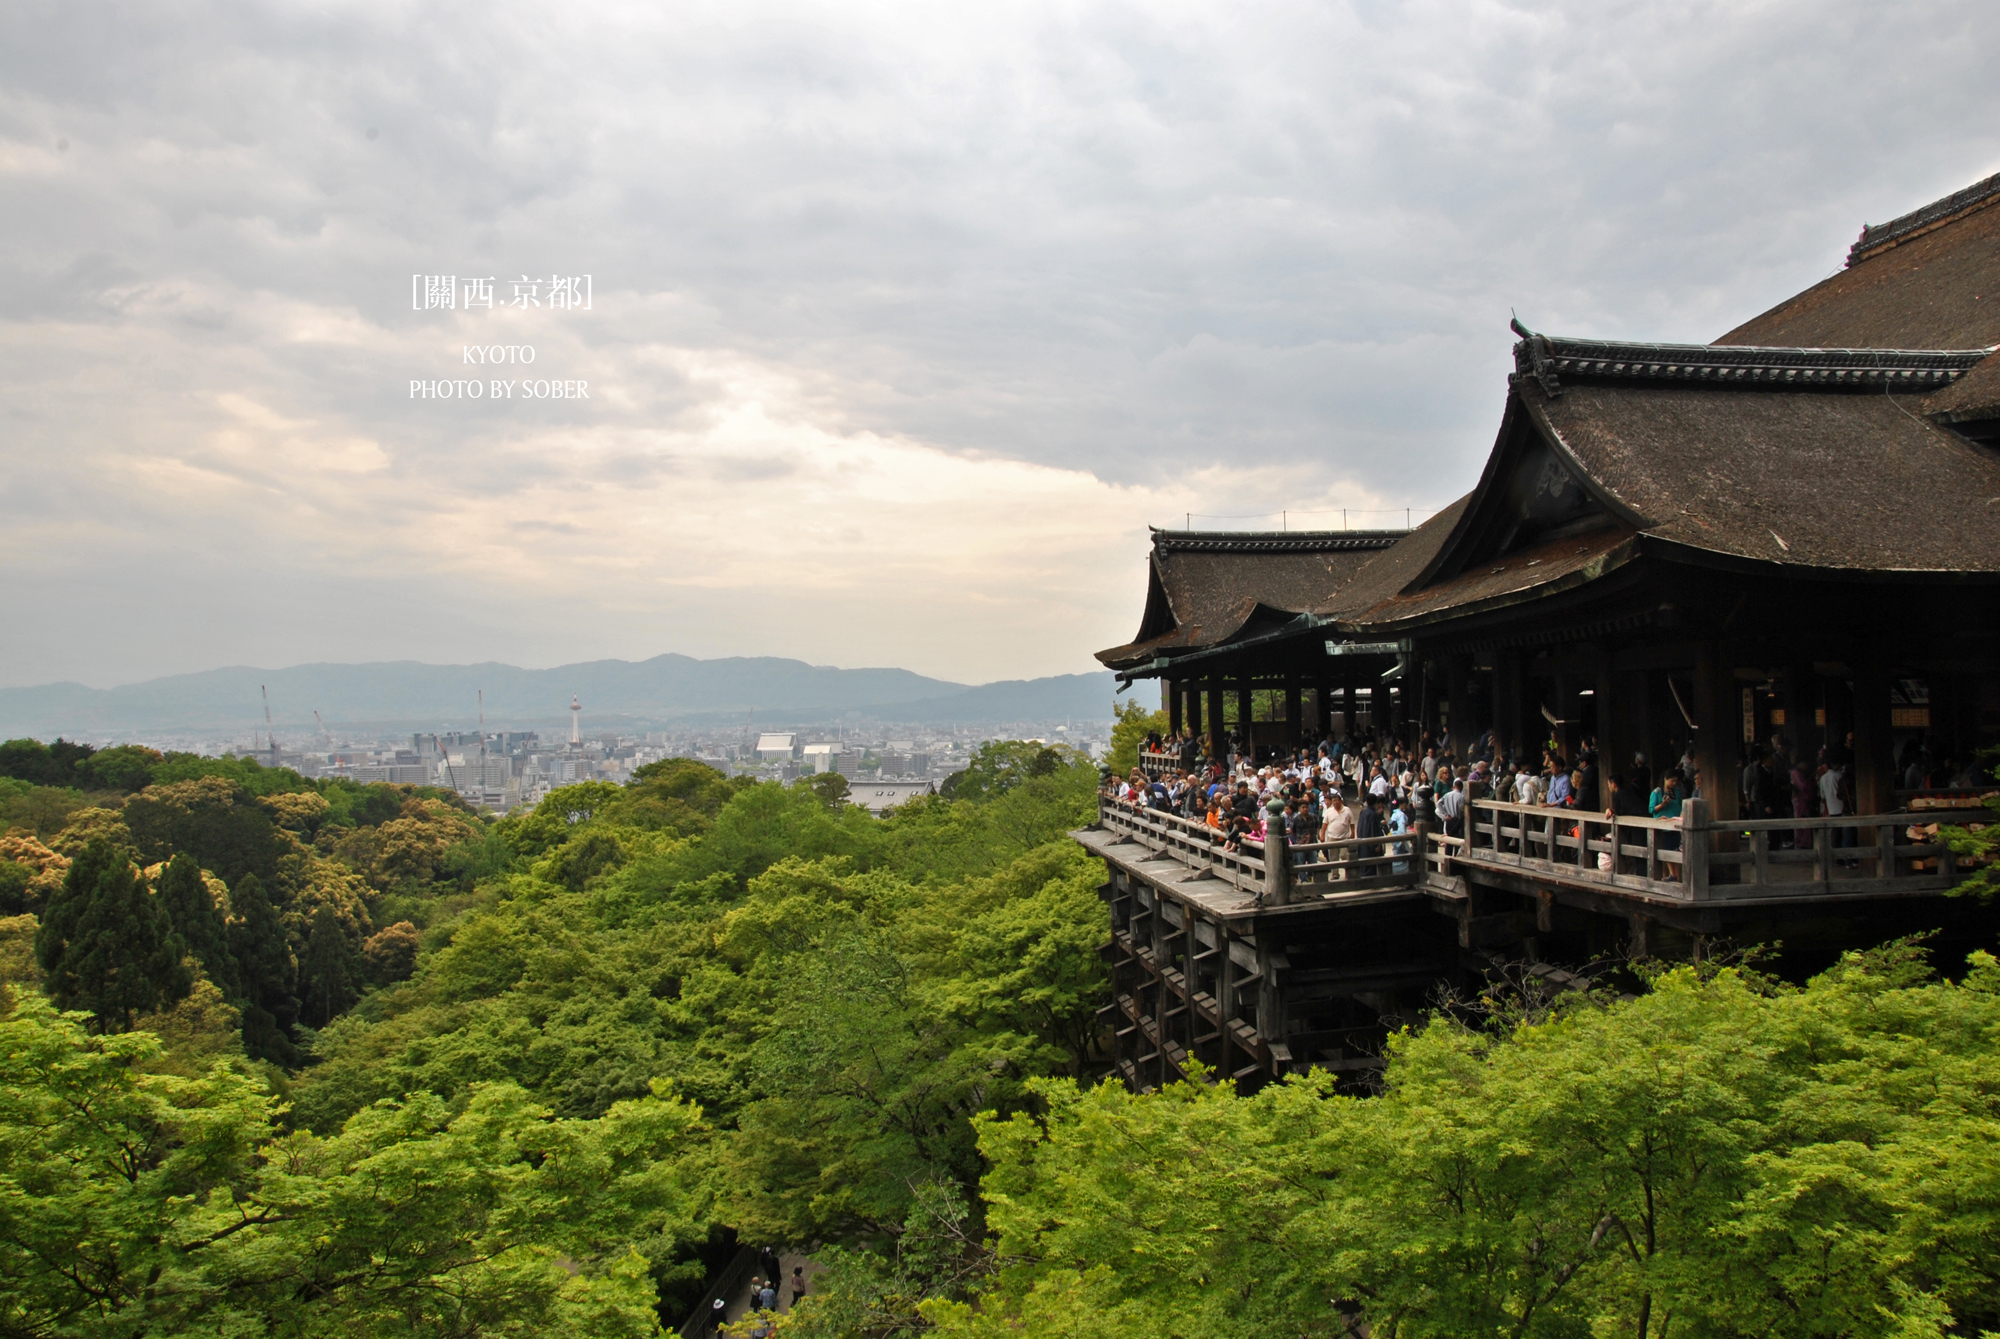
{"x": 907, "y": 320}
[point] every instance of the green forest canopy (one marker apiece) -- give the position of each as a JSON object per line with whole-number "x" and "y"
{"x": 402, "y": 1069}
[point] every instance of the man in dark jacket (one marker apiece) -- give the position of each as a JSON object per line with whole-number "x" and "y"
{"x": 1371, "y": 825}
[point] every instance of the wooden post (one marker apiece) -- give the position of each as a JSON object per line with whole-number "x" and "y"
{"x": 1217, "y": 734}
{"x": 1191, "y": 949}
{"x": 1717, "y": 719}
{"x": 1874, "y": 761}
{"x": 1799, "y": 728}
{"x": 1605, "y": 700}
{"x": 1173, "y": 695}
{"x": 1695, "y": 835}
{"x": 1277, "y": 866}
{"x": 1641, "y": 927}
{"x": 1244, "y": 712}
{"x": 1348, "y": 684}
{"x": 1225, "y": 1001}
{"x": 1270, "y": 1011}
{"x": 1458, "y": 711}
{"x": 1507, "y": 699}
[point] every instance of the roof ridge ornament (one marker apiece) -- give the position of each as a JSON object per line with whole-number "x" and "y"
{"x": 1532, "y": 357}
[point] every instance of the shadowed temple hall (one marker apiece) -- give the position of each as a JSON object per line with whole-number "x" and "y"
{"x": 1771, "y": 557}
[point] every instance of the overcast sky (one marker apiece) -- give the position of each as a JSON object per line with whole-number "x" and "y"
{"x": 906, "y": 321}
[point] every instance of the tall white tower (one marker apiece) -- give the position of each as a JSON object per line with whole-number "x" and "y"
{"x": 575, "y": 720}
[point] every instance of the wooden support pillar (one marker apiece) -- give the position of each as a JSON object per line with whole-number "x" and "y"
{"x": 1605, "y": 702}
{"x": 1277, "y": 869}
{"x": 1507, "y": 723}
{"x": 1244, "y": 714}
{"x": 1190, "y": 950}
{"x": 1225, "y": 1003}
{"x": 1270, "y": 1012}
{"x": 1458, "y": 715}
{"x": 1217, "y": 735}
{"x": 1173, "y": 695}
{"x": 1717, "y": 714}
{"x": 1800, "y": 703}
{"x": 1874, "y": 760}
{"x": 1295, "y": 733}
{"x": 1348, "y": 708}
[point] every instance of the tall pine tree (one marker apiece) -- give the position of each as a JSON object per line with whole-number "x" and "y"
{"x": 326, "y": 981}
{"x": 106, "y": 945}
{"x": 198, "y": 921}
{"x": 265, "y": 973}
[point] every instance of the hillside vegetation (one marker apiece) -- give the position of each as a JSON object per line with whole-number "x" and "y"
{"x": 296, "y": 1058}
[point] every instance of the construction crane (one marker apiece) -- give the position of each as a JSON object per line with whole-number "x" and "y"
{"x": 323, "y": 730}
{"x": 270, "y": 736}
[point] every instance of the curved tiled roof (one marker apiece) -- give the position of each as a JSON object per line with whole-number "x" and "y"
{"x": 1878, "y": 237}
{"x": 1208, "y": 587}
{"x": 1855, "y": 483}
{"x": 1551, "y": 359}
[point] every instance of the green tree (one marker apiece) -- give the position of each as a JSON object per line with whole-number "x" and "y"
{"x": 266, "y": 972}
{"x": 43, "y": 810}
{"x": 998, "y": 766}
{"x": 1129, "y": 731}
{"x": 14, "y": 880}
{"x": 143, "y": 1203}
{"x": 51, "y": 765}
{"x": 577, "y": 862}
{"x": 105, "y": 945}
{"x": 326, "y": 976}
{"x": 126, "y": 767}
{"x": 678, "y": 795}
{"x": 214, "y": 819}
{"x": 831, "y": 787}
{"x": 1714, "y": 1157}
{"x": 191, "y": 910}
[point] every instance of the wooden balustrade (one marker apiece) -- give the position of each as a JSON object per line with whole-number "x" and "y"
{"x": 1689, "y": 859}
{"x": 1357, "y": 864}
{"x": 1698, "y": 859}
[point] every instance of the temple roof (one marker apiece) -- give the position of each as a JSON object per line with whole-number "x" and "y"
{"x": 1927, "y": 280}
{"x": 1552, "y": 359}
{"x": 1207, "y": 587}
{"x": 1847, "y": 434}
{"x": 1879, "y": 237}
{"x": 1783, "y": 478}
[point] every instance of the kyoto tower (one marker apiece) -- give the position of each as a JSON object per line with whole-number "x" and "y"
{"x": 575, "y": 720}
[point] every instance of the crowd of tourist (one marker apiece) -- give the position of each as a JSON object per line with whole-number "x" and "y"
{"x": 1375, "y": 790}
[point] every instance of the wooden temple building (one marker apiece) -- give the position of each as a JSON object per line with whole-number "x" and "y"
{"x": 1792, "y": 531}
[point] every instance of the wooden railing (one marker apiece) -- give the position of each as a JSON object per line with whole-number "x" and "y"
{"x": 1697, "y": 859}
{"x": 1689, "y": 859}
{"x": 1157, "y": 763}
{"x": 1196, "y": 845}
{"x": 1358, "y": 864}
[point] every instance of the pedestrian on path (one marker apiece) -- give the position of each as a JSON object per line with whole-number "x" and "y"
{"x": 798, "y": 1283}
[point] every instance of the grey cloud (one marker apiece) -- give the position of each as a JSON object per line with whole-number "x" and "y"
{"x": 1131, "y": 239}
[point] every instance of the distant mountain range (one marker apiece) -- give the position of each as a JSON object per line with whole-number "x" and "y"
{"x": 665, "y": 690}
